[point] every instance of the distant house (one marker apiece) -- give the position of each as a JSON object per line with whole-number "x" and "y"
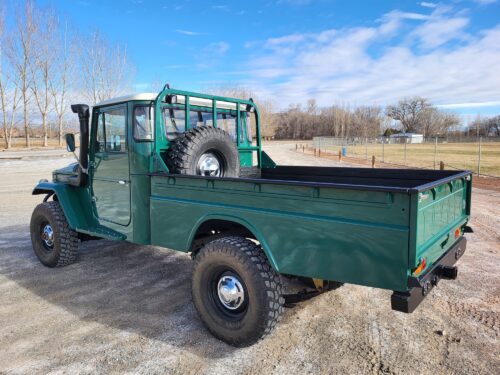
{"x": 406, "y": 138}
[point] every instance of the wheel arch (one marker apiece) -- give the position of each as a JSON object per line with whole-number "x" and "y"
{"x": 79, "y": 216}
{"x": 227, "y": 225}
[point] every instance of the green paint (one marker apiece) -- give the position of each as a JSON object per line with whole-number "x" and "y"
{"x": 373, "y": 238}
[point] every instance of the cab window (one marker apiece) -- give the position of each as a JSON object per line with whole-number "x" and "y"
{"x": 142, "y": 123}
{"x": 111, "y": 130}
{"x": 175, "y": 121}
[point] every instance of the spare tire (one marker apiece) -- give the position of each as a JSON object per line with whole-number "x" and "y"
{"x": 204, "y": 151}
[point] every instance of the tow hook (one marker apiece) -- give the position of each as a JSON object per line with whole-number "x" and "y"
{"x": 459, "y": 252}
{"x": 426, "y": 288}
{"x": 435, "y": 280}
{"x": 447, "y": 272}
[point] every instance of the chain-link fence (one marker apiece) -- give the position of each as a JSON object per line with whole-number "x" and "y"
{"x": 479, "y": 154}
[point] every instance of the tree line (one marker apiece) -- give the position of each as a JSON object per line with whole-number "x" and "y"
{"x": 45, "y": 64}
{"x": 485, "y": 127}
{"x": 409, "y": 115}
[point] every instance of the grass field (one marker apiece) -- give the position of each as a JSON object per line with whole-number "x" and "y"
{"x": 34, "y": 143}
{"x": 454, "y": 155}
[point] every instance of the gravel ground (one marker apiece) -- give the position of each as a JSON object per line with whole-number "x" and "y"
{"x": 127, "y": 309}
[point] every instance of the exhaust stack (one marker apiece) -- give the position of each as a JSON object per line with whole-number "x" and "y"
{"x": 83, "y": 115}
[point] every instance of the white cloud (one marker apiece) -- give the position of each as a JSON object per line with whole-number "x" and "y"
{"x": 426, "y": 4}
{"x": 440, "y": 30}
{"x": 470, "y": 105}
{"x": 188, "y": 32}
{"x": 211, "y": 55}
{"x": 218, "y": 47}
{"x": 223, "y": 8}
{"x": 450, "y": 67}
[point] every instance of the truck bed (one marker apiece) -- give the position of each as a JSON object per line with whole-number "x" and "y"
{"x": 397, "y": 180}
{"x": 356, "y": 225}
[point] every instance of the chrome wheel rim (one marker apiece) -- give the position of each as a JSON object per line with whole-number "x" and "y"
{"x": 48, "y": 236}
{"x": 230, "y": 292}
{"x": 209, "y": 164}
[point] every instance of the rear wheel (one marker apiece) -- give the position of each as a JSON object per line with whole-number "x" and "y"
{"x": 236, "y": 292}
{"x": 54, "y": 242}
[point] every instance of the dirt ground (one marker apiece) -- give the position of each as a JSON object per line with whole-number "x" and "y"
{"x": 127, "y": 309}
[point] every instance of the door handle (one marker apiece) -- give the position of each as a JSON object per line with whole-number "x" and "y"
{"x": 122, "y": 182}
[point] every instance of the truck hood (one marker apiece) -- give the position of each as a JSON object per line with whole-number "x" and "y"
{"x": 62, "y": 174}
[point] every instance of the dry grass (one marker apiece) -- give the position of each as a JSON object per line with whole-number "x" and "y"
{"x": 454, "y": 155}
{"x": 18, "y": 143}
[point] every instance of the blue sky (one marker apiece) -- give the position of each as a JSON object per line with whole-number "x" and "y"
{"x": 356, "y": 52}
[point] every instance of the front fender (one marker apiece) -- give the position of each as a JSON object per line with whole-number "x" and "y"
{"x": 75, "y": 203}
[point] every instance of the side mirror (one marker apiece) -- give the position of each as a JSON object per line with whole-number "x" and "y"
{"x": 70, "y": 142}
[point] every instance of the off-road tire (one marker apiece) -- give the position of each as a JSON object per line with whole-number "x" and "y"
{"x": 184, "y": 154}
{"x": 262, "y": 286}
{"x": 65, "y": 240}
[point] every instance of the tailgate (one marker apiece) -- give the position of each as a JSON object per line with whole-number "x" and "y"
{"x": 438, "y": 216}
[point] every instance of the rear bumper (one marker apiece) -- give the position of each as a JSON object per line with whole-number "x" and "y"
{"x": 421, "y": 286}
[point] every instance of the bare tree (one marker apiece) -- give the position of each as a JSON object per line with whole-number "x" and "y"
{"x": 20, "y": 52}
{"x": 488, "y": 126}
{"x": 494, "y": 126}
{"x": 367, "y": 121}
{"x": 336, "y": 120}
{"x": 435, "y": 122}
{"x": 268, "y": 117}
{"x": 408, "y": 112}
{"x": 42, "y": 64}
{"x": 59, "y": 83}
{"x": 106, "y": 69}
{"x": 9, "y": 92}
{"x": 266, "y": 107}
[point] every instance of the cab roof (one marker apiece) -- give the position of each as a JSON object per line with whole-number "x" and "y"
{"x": 178, "y": 99}
{"x": 140, "y": 96}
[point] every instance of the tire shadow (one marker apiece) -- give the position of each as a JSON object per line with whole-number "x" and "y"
{"x": 138, "y": 289}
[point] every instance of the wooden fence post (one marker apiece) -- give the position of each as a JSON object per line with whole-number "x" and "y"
{"x": 441, "y": 165}
{"x": 340, "y": 155}
{"x": 373, "y": 161}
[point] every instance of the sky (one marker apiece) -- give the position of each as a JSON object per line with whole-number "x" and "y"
{"x": 337, "y": 52}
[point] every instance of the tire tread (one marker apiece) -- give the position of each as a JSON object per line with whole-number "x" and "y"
{"x": 246, "y": 251}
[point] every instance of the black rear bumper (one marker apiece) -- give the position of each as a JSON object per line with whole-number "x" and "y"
{"x": 421, "y": 286}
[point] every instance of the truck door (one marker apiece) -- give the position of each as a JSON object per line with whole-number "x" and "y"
{"x": 111, "y": 183}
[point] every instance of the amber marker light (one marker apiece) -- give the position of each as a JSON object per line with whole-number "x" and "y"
{"x": 421, "y": 267}
{"x": 457, "y": 232}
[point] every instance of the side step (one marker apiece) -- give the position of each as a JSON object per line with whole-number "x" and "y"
{"x": 103, "y": 232}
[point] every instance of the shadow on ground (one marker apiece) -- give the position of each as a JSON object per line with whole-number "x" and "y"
{"x": 139, "y": 289}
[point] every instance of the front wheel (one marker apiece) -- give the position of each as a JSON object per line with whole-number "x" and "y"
{"x": 54, "y": 242}
{"x": 236, "y": 292}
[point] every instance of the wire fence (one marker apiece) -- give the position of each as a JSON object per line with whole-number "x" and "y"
{"x": 478, "y": 154}
{"x": 35, "y": 142}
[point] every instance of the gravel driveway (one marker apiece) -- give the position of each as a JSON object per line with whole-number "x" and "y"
{"x": 124, "y": 308}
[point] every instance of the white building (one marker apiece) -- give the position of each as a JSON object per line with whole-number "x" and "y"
{"x": 406, "y": 138}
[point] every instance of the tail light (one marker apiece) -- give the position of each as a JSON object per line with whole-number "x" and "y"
{"x": 421, "y": 267}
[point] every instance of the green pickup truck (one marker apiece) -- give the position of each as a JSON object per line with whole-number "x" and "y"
{"x": 186, "y": 171}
